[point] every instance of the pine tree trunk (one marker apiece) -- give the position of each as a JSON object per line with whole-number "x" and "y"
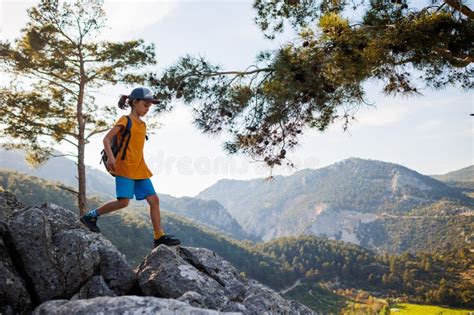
{"x": 81, "y": 169}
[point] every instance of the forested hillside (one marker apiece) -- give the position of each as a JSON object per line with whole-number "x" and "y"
{"x": 32, "y": 190}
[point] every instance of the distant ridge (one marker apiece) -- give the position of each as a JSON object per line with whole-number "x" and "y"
{"x": 465, "y": 174}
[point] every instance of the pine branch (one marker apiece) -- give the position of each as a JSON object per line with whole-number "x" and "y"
{"x": 459, "y": 6}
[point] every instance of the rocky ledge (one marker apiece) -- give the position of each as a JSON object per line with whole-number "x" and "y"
{"x": 51, "y": 264}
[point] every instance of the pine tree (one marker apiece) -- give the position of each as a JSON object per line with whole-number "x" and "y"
{"x": 59, "y": 54}
{"x": 319, "y": 78}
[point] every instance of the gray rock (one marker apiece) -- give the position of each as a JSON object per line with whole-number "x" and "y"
{"x": 32, "y": 237}
{"x": 60, "y": 256}
{"x": 163, "y": 273}
{"x": 95, "y": 287}
{"x": 172, "y": 271}
{"x": 217, "y": 268}
{"x": 299, "y": 308}
{"x": 77, "y": 257}
{"x": 8, "y": 204}
{"x": 235, "y": 307}
{"x": 14, "y": 297}
{"x": 261, "y": 299}
{"x": 192, "y": 298}
{"x": 114, "y": 267}
{"x": 121, "y": 305}
{"x": 60, "y": 218}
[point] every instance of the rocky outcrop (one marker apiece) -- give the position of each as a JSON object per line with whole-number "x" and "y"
{"x": 60, "y": 256}
{"x": 340, "y": 224}
{"x": 205, "y": 279}
{"x": 55, "y": 257}
{"x": 129, "y": 305}
{"x": 14, "y": 297}
{"x": 51, "y": 264}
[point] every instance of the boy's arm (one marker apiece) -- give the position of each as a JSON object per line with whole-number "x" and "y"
{"x": 108, "y": 139}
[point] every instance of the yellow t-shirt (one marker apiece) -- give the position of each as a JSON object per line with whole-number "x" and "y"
{"x": 133, "y": 166}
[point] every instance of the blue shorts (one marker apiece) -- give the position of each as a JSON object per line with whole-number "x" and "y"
{"x": 126, "y": 188}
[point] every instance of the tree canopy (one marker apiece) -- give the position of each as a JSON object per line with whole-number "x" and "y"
{"x": 319, "y": 77}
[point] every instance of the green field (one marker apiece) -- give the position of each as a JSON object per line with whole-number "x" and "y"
{"x": 416, "y": 309}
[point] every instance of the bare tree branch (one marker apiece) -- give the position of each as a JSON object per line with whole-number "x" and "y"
{"x": 60, "y": 155}
{"x": 68, "y": 189}
{"x": 96, "y": 132}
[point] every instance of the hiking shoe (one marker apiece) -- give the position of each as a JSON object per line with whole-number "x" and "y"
{"x": 90, "y": 223}
{"x": 167, "y": 240}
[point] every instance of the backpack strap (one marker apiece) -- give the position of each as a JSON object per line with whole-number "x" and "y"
{"x": 125, "y": 133}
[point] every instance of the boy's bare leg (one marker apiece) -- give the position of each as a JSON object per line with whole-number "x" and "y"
{"x": 154, "y": 203}
{"x": 90, "y": 222}
{"x": 112, "y": 206}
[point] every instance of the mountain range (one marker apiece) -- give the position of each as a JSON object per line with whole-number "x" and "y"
{"x": 379, "y": 205}
{"x": 341, "y": 201}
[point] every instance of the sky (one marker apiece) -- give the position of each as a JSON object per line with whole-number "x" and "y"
{"x": 431, "y": 134}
